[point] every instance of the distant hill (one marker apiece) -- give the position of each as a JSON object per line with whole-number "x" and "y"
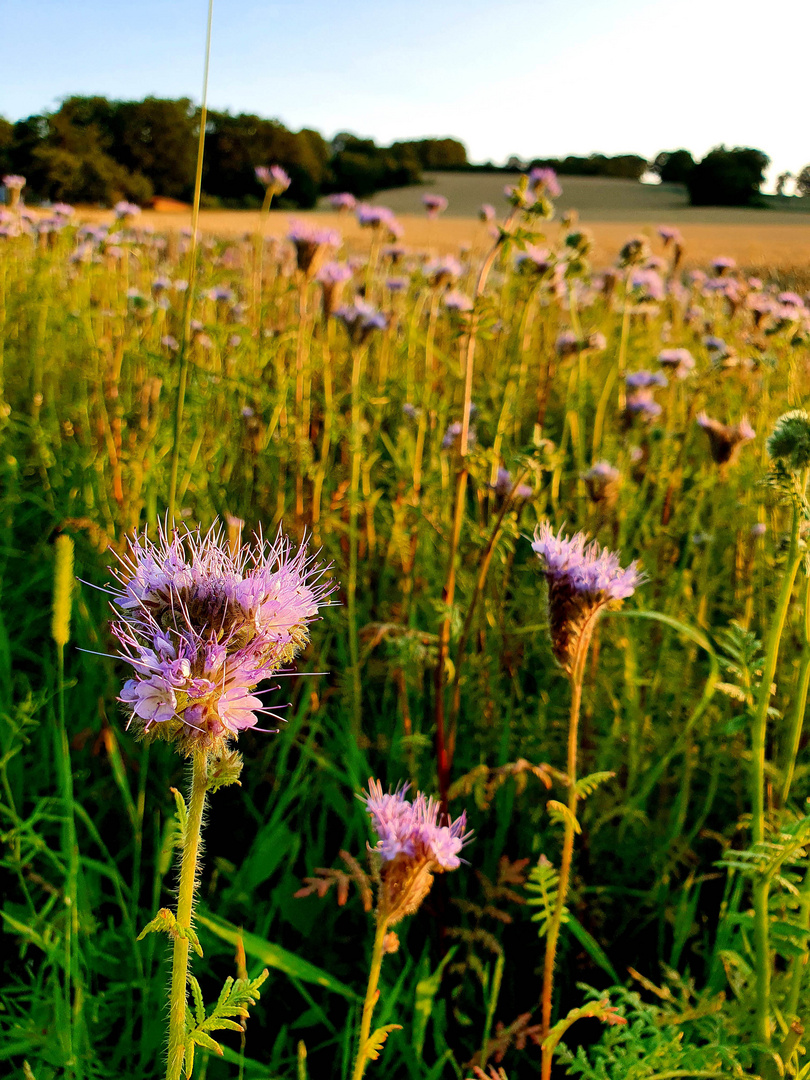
{"x": 596, "y": 198}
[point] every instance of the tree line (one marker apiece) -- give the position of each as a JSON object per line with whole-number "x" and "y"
{"x": 93, "y": 150}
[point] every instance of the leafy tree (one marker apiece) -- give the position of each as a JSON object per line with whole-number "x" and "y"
{"x": 803, "y": 181}
{"x": 728, "y": 177}
{"x": 781, "y": 180}
{"x": 158, "y": 138}
{"x": 673, "y": 166}
{"x": 6, "y": 139}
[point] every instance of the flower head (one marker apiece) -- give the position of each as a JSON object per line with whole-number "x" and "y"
{"x": 361, "y": 320}
{"x": 412, "y": 845}
{"x": 545, "y": 180}
{"x": 725, "y": 440}
{"x": 602, "y": 481}
{"x": 203, "y": 625}
{"x": 789, "y": 442}
{"x": 679, "y": 361}
{"x": 273, "y": 177}
{"x": 434, "y": 204}
{"x": 311, "y": 242}
{"x": 582, "y": 579}
{"x": 342, "y": 200}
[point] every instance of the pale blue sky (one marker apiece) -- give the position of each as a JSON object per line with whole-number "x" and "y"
{"x": 530, "y": 77}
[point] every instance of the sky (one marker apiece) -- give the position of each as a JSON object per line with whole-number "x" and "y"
{"x": 533, "y": 78}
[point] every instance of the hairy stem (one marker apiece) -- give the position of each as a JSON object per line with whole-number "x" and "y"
{"x": 576, "y": 679}
{"x": 377, "y": 954}
{"x": 185, "y": 905}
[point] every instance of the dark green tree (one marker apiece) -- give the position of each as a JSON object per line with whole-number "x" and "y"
{"x": 673, "y": 166}
{"x": 728, "y": 177}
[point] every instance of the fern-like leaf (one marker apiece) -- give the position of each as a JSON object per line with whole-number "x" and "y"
{"x": 588, "y": 784}
{"x": 375, "y": 1041}
{"x": 544, "y": 882}
{"x": 560, "y": 814}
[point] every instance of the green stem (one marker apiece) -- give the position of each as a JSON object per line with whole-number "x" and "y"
{"x": 800, "y": 701}
{"x": 800, "y": 962}
{"x": 371, "y": 996}
{"x": 576, "y": 678}
{"x": 356, "y": 444}
{"x": 185, "y": 905}
{"x": 760, "y": 723}
{"x": 182, "y": 381}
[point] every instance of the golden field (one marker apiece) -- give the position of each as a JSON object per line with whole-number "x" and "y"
{"x": 611, "y": 210}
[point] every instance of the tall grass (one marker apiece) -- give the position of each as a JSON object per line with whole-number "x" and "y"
{"x": 664, "y": 876}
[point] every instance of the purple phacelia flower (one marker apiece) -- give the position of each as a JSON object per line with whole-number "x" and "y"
{"x": 487, "y": 213}
{"x": 567, "y": 343}
{"x": 342, "y": 201}
{"x": 670, "y": 235}
{"x": 725, "y": 440}
{"x": 443, "y": 270}
{"x": 273, "y": 177}
{"x": 124, "y": 210}
{"x": 13, "y": 182}
{"x": 648, "y": 284}
{"x": 639, "y": 379}
{"x": 544, "y": 181}
{"x": 434, "y": 204}
{"x": 722, "y": 264}
{"x": 679, "y": 361}
{"x": 642, "y": 403}
{"x": 361, "y": 320}
{"x": 374, "y": 216}
{"x": 202, "y": 626}
{"x": 397, "y": 284}
{"x": 603, "y": 481}
{"x": 457, "y": 301}
{"x": 452, "y": 436}
{"x": 413, "y": 844}
{"x": 582, "y": 578}
{"x": 311, "y": 242}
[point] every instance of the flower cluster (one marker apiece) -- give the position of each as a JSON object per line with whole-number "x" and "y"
{"x": 412, "y": 845}
{"x": 582, "y": 579}
{"x": 310, "y": 243}
{"x": 202, "y": 627}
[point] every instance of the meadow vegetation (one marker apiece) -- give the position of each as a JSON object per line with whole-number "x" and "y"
{"x": 620, "y": 747}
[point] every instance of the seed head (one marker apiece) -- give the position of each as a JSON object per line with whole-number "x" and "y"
{"x": 789, "y": 442}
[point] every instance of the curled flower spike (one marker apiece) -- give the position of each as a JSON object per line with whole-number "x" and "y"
{"x": 202, "y": 625}
{"x": 411, "y": 847}
{"x": 582, "y": 579}
{"x": 725, "y": 440}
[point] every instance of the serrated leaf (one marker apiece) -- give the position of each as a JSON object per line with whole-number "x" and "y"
{"x": 164, "y": 922}
{"x": 221, "y": 1023}
{"x": 196, "y": 993}
{"x": 559, "y": 813}
{"x": 588, "y": 784}
{"x": 201, "y": 1039}
{"x": 182, "y": 815}
{"x": 194, "y": 941}
{"x": 375, "y": 1041}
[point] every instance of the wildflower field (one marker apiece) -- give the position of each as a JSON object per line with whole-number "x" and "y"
{"x": 408, "y": 649}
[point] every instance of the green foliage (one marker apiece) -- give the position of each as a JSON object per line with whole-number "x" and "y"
{"x": 728, "y": 177}
{"x": 235, "y": 999}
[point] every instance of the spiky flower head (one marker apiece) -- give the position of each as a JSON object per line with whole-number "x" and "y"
{"x": 342, "y": 201}
{"x": 412, "y": 845}
{"x": 603, "y": 481}
{"x": 203, "y": 624}
{"x": 273, "y": 177}
{"x": 789, "y": 442}
{"x": 582, "y": 578}
{"x": 725, "y": 440}
{"x": 361, "y": 320}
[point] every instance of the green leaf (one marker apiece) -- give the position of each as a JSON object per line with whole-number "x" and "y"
{"x": 559, "y": 813}
{"x": 196, "y": 992}
{"x": 275, "y": 957}
{"x": 426, "y": 990}
{"x": 201, "y": 1039}
{"x": 163, "y": 922}
{"x": 588, "y": 784}
{"x": 591, "y": 947}
{"x": 375, "y": 1041}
